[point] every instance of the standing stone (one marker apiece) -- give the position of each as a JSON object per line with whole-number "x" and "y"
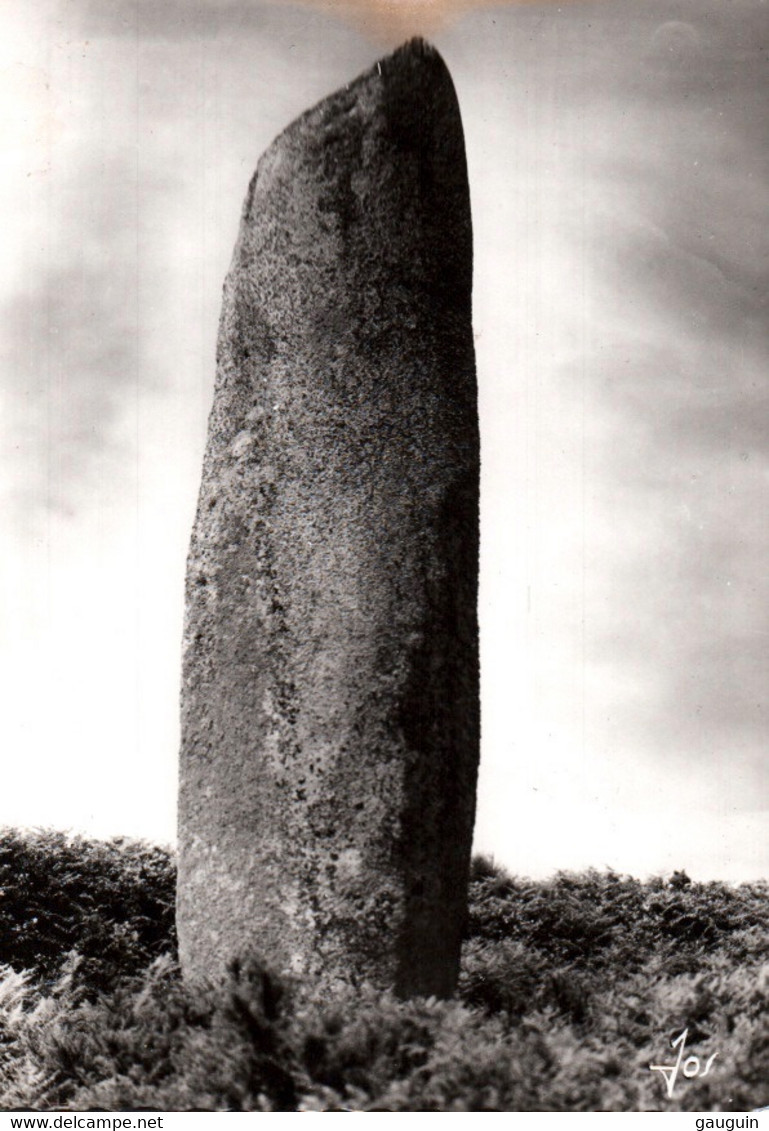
{"x": 330, "y": 688}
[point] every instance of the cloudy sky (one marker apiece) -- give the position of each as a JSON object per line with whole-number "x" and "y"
{"x": 618, "y": 156}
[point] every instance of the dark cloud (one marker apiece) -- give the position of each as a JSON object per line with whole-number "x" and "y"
{"x": 385, "y": 21}
{"x": 666, "y": 109}
{"x": 177, "y": 21}
{"x": 69, "y": 348}
{"x": 152, "y": 119}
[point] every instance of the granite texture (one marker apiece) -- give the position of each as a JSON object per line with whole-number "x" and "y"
{"x": 330, "y": 701}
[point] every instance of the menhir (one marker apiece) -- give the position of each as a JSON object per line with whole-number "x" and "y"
{"x": 330, "y": 689}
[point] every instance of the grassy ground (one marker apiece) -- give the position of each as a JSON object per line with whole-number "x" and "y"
{"x": 570, "y": 989}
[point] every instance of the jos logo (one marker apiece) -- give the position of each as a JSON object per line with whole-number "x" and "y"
{"x": 690, "y": 1067}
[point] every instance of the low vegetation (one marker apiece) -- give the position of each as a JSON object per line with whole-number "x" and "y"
{"x": 570, "y": 989}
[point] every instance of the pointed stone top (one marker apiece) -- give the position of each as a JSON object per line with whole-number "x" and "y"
{"x": 415, "y": 63}
{"x": 416, "y": 50}
{"x": 391, "y": 138}
{"x": 413, "y": 85}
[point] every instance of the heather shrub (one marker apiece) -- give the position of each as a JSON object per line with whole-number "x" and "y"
{"x": 570, "y": 989}
{"x": 112, "y": 903}
{"x": 148, "y": 1044}
{"x": 501, "y": 976}
{"x": 605, "y": 921}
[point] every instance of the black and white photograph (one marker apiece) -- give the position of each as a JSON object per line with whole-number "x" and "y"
{"x": 384, "y": 629}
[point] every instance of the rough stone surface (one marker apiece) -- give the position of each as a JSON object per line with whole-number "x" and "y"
{"x": 330, "y": 687}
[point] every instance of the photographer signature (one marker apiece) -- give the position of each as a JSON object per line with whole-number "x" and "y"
{"x": 690, "y": 1067}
